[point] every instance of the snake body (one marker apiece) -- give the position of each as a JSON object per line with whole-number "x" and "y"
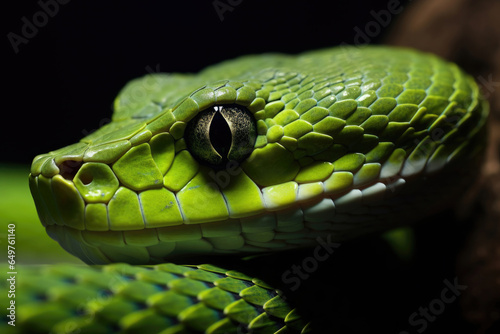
{"x": 258, "y": 154}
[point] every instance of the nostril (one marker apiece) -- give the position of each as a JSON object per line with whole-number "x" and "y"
{"x": 69, "y": 168}
{"x": 86, "y": 178}
{"x": 96, "y": 182}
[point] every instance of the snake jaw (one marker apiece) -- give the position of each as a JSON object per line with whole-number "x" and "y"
{"x": 334, "y": 145}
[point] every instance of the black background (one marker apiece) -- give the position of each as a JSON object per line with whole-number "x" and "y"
{"x": 62, "y": 82}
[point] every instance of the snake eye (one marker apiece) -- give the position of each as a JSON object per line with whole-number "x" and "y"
{"x": 221, "y": 134}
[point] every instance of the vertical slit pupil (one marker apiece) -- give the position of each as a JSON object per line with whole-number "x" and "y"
{"x": 220, "y": 135}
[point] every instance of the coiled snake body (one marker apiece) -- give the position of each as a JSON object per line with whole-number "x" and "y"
{"x": 262, "y": 153}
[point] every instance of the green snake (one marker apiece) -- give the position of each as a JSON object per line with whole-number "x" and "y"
{"x": 259, "y": 154}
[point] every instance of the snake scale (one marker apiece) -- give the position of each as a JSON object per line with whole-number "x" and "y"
{"x": 263, "y": 153}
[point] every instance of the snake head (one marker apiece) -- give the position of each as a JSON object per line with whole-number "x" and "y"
{"x": 262, "y": 153}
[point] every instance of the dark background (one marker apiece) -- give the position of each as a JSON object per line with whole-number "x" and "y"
{"x": 62, "y": 82}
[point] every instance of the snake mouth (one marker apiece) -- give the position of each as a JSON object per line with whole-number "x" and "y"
{"x": 84, "y": 228}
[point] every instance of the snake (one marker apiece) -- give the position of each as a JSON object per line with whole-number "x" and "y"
{"x": 263, "y": 154}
